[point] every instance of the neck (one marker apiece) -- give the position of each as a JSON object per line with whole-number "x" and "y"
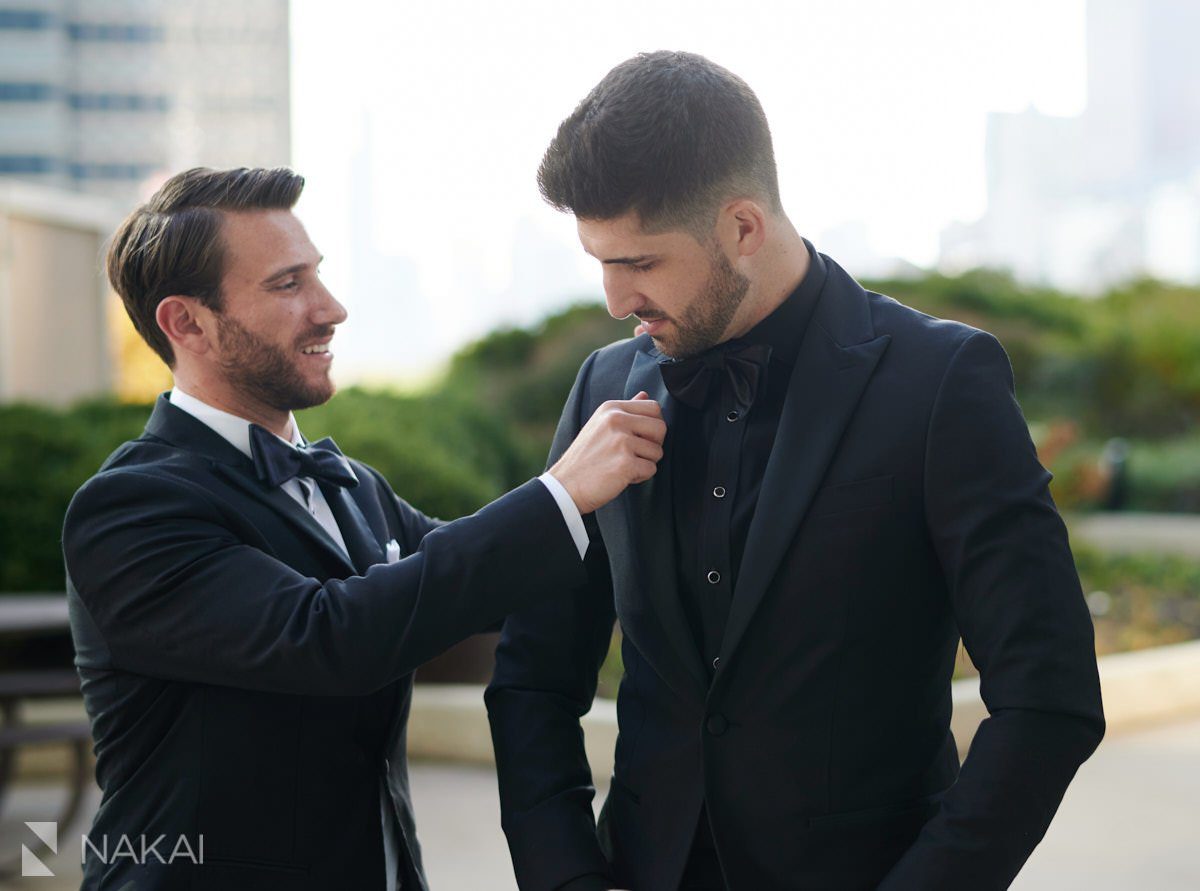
{"x": 235, "y": 402}
{"x": 782, "y": 264}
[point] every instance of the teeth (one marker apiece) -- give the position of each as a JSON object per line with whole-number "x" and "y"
{"x": 317, "y": 348}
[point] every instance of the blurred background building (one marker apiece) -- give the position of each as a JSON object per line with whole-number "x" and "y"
{"x": 1086, "y": 202}
{"x": 100, "y": 96}
{"x": 106, "y": 98}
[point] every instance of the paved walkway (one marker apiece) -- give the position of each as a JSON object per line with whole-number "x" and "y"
{"x": 1139, "y": 533}
{"x": 1131, "y": 820}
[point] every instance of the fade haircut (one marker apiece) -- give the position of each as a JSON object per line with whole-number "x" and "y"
{"x": 172, "y": 244}
{"x": 669, "y": 135}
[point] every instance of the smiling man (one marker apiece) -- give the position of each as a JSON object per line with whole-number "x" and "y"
{"x": 848, "y": 487}
{"x": 248, "y": 607}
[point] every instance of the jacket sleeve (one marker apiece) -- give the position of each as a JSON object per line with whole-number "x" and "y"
{"x": 1017, "y": 599}
{"x": 545, "y": 680}
{"x": 168, "y": 591}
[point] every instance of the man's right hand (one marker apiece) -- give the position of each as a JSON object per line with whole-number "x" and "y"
{"x": 621, "y": 444}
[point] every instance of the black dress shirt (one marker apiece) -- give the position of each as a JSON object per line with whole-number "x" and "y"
{"x": 718, "y": 456}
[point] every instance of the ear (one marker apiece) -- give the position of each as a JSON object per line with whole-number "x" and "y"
{"x": 187, "y": 323}
{"x": 745, "y": 223}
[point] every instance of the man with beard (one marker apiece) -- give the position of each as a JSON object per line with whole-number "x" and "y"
{"x": 248, "y": 607}
{"x": 848, "y": 486}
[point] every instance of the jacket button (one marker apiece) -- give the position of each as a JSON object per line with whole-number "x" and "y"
{"x": 716, "y": 663}
{"x": 717, "y": 724}
{"x": 719, "y": 492}
{"x": 713, "y": 577}
{"x": 733, "y": 416}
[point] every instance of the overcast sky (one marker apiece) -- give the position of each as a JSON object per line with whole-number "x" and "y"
{"x": 420, "y": 127}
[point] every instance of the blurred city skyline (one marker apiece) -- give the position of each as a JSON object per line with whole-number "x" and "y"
{"x": 420, "y": 138}
{"x": 1053, "y": 139}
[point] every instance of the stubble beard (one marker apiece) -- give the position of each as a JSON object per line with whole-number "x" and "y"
{"x": 265, "y": 371}
{"x": 703, "y": 323}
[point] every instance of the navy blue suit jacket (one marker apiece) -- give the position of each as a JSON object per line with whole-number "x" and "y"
{"x": 903, "y": 505}
{"x": 245, "y": 681}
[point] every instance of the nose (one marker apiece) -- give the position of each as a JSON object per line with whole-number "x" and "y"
{"x": 329, "y": 311}
{"x": 620, "y": 295}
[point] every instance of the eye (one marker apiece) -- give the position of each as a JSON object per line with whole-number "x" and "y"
{"x": 642, "y": 267}
{"x": 289, "y": 285}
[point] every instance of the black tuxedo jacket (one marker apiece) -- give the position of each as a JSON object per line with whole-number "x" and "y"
{"x": 903, "y": 505}
{"x": 245, "y": 682}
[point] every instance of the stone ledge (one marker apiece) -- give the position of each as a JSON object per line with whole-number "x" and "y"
{"x": 449, "y": 723}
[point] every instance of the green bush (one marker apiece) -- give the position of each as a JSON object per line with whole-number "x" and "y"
{"x": 45, "y": 455}
{"x": 1125, "y": 364}
{"x": 1140, "y": 600}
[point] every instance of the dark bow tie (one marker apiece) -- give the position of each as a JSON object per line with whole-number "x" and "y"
{"x": 691, "y": 380}
{"x": 276, "y": 461}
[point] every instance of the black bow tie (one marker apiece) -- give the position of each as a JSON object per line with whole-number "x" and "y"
{"x": 691, "y": 380}
{"x": 276, "y": 461}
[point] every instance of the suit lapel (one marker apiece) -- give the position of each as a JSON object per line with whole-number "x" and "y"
{"x": 286, "y": 506}
{"x": 177, "y": 427}
{"x": 649, "y": 528}
{"x": 838, "y": 354}
{"x": 362, "y": 541}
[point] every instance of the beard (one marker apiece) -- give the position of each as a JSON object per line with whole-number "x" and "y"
{"x": 266, "y": 371}
{"x": 703, "y": 323}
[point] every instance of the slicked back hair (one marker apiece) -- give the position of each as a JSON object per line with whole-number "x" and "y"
{"x": 669, "y": 135}
{"x": 172, "y": 244}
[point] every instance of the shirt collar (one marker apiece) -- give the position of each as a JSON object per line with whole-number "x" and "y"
{"x": 784, "y": 328}
{"x": 230, "y": 427}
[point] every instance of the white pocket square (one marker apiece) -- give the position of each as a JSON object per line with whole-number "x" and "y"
{"x": 392, "y": 551}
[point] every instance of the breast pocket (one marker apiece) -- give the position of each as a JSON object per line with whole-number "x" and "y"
{"x": 856, "y": 495}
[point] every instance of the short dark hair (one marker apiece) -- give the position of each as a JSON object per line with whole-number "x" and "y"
{"x": 669, "y": 135}
{"x": 172, "y": 243}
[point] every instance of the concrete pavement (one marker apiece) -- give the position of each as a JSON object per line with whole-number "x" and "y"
{"x": 1139, "y": 533}
{"x": 1131, "y": 820}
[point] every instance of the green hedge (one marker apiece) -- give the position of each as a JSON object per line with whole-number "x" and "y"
{"x": 1125, "y": 364}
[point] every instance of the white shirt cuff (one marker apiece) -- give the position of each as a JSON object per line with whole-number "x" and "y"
{"x": 569, "y": 511}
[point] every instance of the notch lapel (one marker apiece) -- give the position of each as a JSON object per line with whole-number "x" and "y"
{"x": 838, "y": 354}
{"x": 175, "y": 426}
{"x": 362, "y": 541}
{"x": 286, "y": 506}
{"x": 648, "y": 542}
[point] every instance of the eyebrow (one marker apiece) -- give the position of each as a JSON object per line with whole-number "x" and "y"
{"x": 291, "y": 270}
{"x": 627, "y": 261}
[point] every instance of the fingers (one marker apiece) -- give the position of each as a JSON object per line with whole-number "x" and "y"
{"x": 643, "y": 470}
{"x": 653, "y": 429}
{"x": 641, "y": 404}
{"x": 645, "y": 448}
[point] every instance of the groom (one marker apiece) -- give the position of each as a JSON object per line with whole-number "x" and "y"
{"x": 849, "y": 486}
{"x": 247, "y": 607}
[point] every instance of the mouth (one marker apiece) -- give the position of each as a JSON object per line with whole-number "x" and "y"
{"x": 318, "y": 351}
{"x": 653, "y": 326}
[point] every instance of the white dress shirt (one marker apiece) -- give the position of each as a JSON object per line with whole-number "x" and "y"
{"x": 308, "y": 494}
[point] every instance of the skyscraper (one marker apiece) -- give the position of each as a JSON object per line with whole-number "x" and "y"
{"x": 1088, "y": 201}
{"x": 101, "y": 96}
{"x": 106, "y": 98}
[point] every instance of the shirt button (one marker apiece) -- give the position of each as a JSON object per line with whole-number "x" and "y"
{"x": 719, "y": 492}
{"x": 713, "y": 576}
{"x": 732, "y": 416}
